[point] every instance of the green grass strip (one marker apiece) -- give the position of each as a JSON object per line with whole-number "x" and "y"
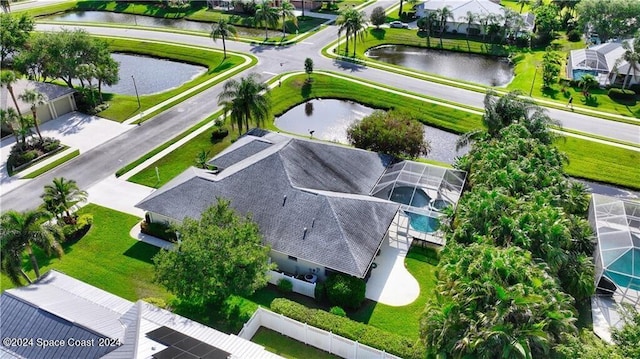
{"x": 48, "y": 9}
{"x": 52, "y": 165}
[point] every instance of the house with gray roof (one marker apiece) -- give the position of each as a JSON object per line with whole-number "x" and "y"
{"x": 313, "y": 202}
{"x": 61, "y": 317}
{"x": 604, "y": 62}
{"x": 60, "y": 100}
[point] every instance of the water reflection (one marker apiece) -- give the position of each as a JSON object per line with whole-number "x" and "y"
{"x": 105, "y": 16}
{"x": 151, "y": 74}
{"x": 490, "y": 71}
{"x": 329, "y": 120}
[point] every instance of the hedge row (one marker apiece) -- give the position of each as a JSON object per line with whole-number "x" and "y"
{"x": 620, "y": 94}
{"x": 158, "y": 230}
{"x": 345, "y": 327}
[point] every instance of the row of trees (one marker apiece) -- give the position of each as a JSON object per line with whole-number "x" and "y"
{"x": 518, "y": 248}
{"x": 353, "y": 24}
{"x": 23, "y": 232}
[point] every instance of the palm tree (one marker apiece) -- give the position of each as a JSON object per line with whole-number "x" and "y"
{"x": 267, "y": 15}
{"x": 286, "y": 10}
{"x": 35, "y": 98}
{"x": 588, "y": 82}
{"x": 247, "y": 99}
{"x": 358, "y": 24}
{"x": 344, "y": 26}
{"x": 443, "y": 15}
{"x": 632, "y": 56}
{"x": 10, "y": 118}
{"x": 202, "y": 158}
{"x": 7, "y": 79}
{"x": 61, "y": 195}
{"x": 471, "y": 19}
{"x": 20, "y": 232}
{"x": 522, "y": 3}
{"x": 223, "y": 30}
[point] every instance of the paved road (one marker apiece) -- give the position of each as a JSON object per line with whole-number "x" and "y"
{"x": 104, "y": 160}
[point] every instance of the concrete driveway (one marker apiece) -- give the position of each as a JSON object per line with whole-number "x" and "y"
{"x": 75, "y": 130}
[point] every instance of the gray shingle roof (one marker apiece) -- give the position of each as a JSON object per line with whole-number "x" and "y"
{"x": 238, "y": 154}
{"x": 326, "y": 189}
{"x": 20, "y": 319}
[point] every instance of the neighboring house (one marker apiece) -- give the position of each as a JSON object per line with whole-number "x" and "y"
{"x": 60, "y": 99}
{"x": 322, "y": 208}
{"x": 459, "y": 10}
{"x": 600, "y": 61}
{"x": 77, "y": 320}
{"x": 616, "y": 223}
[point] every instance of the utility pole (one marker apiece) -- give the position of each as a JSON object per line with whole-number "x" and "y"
{"x": 136, "y": 88}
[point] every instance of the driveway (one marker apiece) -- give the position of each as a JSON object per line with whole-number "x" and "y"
{"x": 75, "y": 130}
{"x": 390, "y": 282}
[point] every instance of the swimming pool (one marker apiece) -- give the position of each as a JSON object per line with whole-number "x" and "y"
{"x": 624, "y": 272}
{"x": 422, "y": 223}
{"x": 403, "y": 195}
{"x": 439, "y": 204}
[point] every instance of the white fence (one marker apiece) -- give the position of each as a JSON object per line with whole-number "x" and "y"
{"x": 299, "y": 286}
{"x": 313, "y": 336}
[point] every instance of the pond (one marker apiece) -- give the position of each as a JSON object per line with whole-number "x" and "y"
{"x": 129, "y": 19}
{"x": 485, "y": 70}
{"x": 151, "y": 74}
{"x": 329, "y": 120}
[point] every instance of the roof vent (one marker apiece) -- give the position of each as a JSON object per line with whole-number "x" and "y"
{"x": 313, "y": 221}
{"x": 304, "y": 233}
{"x": 284, "y": 200}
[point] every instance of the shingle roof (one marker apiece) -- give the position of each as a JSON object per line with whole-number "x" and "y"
{"x": 293, "y": 185}
{"x": 51, "y": 91}
{"x": 20, "y": 319}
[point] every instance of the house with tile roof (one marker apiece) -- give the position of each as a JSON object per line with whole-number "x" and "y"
{"x": 61, "y": 317}
{"x": 321, "y": 208}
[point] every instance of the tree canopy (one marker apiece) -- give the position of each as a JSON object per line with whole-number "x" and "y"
{"x": 14, "y": 33}
{"x": 394, "y": 132}
{"x": 378, "y": 16}
{"x": 247, "y": 99}
{"x": 609, "y": 18}
{"x": 218, "y": 255}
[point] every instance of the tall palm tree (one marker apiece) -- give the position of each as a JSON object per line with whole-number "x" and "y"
{"x": 35, "y": 98}
{"x": 443, "y": 15}
{"x": 632, "y": 56}
{"x": 286, "y": 11}
{"x": 358, "y": 24}
{"x": 61, "y": 195}
{"x": 20, "y": 232}
{"x": 223, "y": 30}
{"x": 11, "y": 119}
{"x": 267, "y": 15}
{"x": 344, "y": 26}
{"x": 7, "y": 79}
{"x": 471, "y": 19}
{"x": 247, "y": 99}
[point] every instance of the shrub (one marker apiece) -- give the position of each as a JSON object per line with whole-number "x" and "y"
{"x": 622, "y": 95}
{"x": 158, "y": 302}
{"x": 635, "y": 88}
{"x": 158, "y": 230}
{"x": 285, "y": 285}
{"x": 219, "y": 133}
{"x": 574, "y": 35}
{"x": 345, "y": 327}
{"x": 338, "y": 311}
{"x": 345, "y": 291}
{"x": 73, "y": 232}
{"x": 320, "y": 293}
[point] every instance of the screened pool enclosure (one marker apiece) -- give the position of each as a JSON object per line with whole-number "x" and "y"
{"x": 423, "y": 191}
{"x": 617, "y": 255}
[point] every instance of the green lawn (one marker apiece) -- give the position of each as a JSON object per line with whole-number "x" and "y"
{"x": 287, "y": 347}
{"x": 107, "y": 257}
{"x": 421, "y": 263}
{"x": 341, "y": 5}
{"x": 140, "y": 8}
{"x": 48, "y": 9}
{"x": 123, "y": 107}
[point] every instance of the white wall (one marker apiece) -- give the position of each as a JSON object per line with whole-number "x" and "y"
{"x": 313, "y": 336}
{"x": 299, "y": 286}
{"x": 299, "y": 266}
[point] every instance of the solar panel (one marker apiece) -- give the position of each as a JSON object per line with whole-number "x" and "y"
{"x": 181, "y": 346}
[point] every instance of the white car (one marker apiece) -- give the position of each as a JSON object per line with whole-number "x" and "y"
{"x": 398, "y": 25}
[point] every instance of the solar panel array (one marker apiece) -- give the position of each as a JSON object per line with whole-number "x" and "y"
{"x": 181, "y": 346}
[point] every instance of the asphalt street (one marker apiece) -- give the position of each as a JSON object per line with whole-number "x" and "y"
{"x": 103, "y": 161}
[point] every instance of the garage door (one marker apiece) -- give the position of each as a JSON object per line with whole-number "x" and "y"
{"x": 62, "y": 106}
{"x": 43, "y": 113}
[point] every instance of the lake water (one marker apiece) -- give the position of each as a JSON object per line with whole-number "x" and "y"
{"x": 151, "y": 74}
{"x": 118, "y": 18}
{"x": 485, "y": 70}
{"x": 329, "y": 119}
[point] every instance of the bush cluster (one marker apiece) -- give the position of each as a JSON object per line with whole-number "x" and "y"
{"x": 73, "y": 232}
{"x": 219, "y": 133}
{"x": 345, "y": 291}
{"x": 345, "y": 327}
{"x": 285, "y": 285}
{"x": 635, "y": 88}
{"x": 158, "y": 230}
{"x": 574, "y": 35}
{"x": 338, "y": 311}
{"x": 622, "y": 95}
{"x": 33, "y": 149}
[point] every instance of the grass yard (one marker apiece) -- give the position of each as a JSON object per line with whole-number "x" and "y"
{"x": 123, "y": 107}
{"x": 106, "y": 257}
{"x": 48, "y": 9}
{"x": 421, "y": 263}
{"x": 140, "y": 8}
{"x": 341, "y": 5}
{"x": 287, "y": 347}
